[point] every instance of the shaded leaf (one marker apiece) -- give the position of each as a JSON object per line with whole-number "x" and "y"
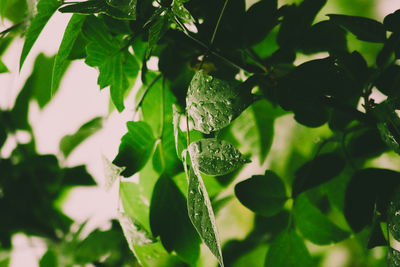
{"x": 169, "y": 220}
{"x": 263, "y": 194}
{"x": 376, "y": 237}
{"x": 77, "y": 176}
{"x": 215, "y": 157}
{"x": 70, "y": 35}
{"x": 136, "y": 148}
{"x": 157, "y": 30}
{"x": 69, "y": 142}
{"x": 181, "y": 12}
{"x": 3, "y": 67}
{"x": 393, "y": 215}
{"x": 49, "y": 259}
{"x": 213, "y": 103}
{"x": 365, "y": 29}
{"x": 315, "y": 226}
{"x": 45, "y": 9}
{"x": 392, "y": 21}
{"x": 201, "y": 213}
{"x": 316, "y": 172}
{"x": 288, "y": 250}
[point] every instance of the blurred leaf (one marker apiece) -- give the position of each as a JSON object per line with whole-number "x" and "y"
{"x": 45, "y": 9}
{"x": 136, "y": 148}
{"x": 316, "y": 172}
{"x": 181, "y": 12}
{"x": 201, "y": 213}
{"x": 70, "y": 35}
{"x": 111, "y": 173}
{"x": 254, "y": 128}
{"x": 76, "y": 176}
{"x": 288, "y": 250}
{"x": 49, "y": 259}
{"x": 315, "y": 226}
{"x": 213, "y": 103}
{"x": 364, "y": 28}
{"x": 5, "y": 262}
{"x": 215, "y": 157}
{"x": 388, "y": 81}
{"x": 14, "y": 10}
{"x": 169, "y": 220}
{"x": 392, "y": 21}
{"x": 376, "y": 237}
{"x": 263, "y": 194}
{"x": 365, "y": 143}
{"x": 3, "y": 67}
{"x": 69, "y": 142}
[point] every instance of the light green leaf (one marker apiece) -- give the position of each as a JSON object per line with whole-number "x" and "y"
{"x": 315, "y": 226}
{"x": 71, "y": 33}
{"x": 263, "y": 194}
{"x": 213, "y": 103}
{"x": 181, "y": 12}
{"x": 215, "y": 157}
{"x": 134, "y": 232}
{"x": 45, "y": 9}
{"x": 288, "y": 250}
{"x": 178, "y": 134}
{"x": 201, "y": 213}
{"x": 136, "y": 148}
{"x": 254, "y": 129}
{"x": 69, "y": 142}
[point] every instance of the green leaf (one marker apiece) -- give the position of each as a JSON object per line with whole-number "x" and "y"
{"x": 254, "y": 129}
{"x": 45, "y": 9}
{"x": 70, "y": 35}
{"x": 3, "y": 67}
{"x": 169, "y": 220}
{"x": 369, "y": 189}
{"x": 392, "y": 21}
{"x": 365, "y": 29}
{"x": 315, "y": 226}
{"x": 389, "y": 124}
{"x": 201, "y": 213}
{"x": 136, "y": 148}
{"x": 393, "y": 215}
{"x": 288, "y": 250}
{"x": 263, "y": 194}
{"x": 215, "y": 157}
{"x": 213, "y": 103}
{"x": 393, "y": 258}
{"x": 316, "y": 172}
{"x": 69, "y": 142}
{"x": 157, "y": 30}
{"x": 376, "y": 237}
{"x": 49, "y": 259}
{"x": 179, "y": 136}
{"x": 125, "y": 9}
{"x": 181, "y": 12}
{"x": 134, "y": 232}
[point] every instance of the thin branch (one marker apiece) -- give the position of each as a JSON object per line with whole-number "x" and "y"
{"x": 146, "y": 90}
{"x": 218, "y": 22}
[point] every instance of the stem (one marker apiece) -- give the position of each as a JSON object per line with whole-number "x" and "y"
{"x": 13, "y": 27}
{"x": 214, "y": 53}
{"x": 218, "y": 22}
{"x": 162, "y": 111}
{"x": 187, "y": 130}
{"x": 146, "y": 90}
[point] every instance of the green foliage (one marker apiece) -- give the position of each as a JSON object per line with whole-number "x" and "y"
{"x": 229, "y": 81}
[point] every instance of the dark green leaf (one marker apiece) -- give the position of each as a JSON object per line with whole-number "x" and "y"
{"x": 76, "y": 176}
{"x": 213, "y": 103}
{"x": 125, "y": 9}
{"x": 393, "y": 215}
{"x": 69, "y": 142}
{"x": 364, "y": 29}
{"x": 366, "y": 143}
{"x": 201, "y": 213}
{"x": 392, "y": 21}
{"x": 169, "y": 220}
{"x": 389, "y": 124}
{"x": 316, "y": 172}
{"x": 263, "y": 194}
{"x": 369, "y": 189}
{"x": 70, "y": 35}
{"x": 215, "y": 157}
{"x": 45, "y": 9}
{"x": 157, "y": 30}
{"x": 376, "y": 237}
{"x": 388, "y": 81}
{"x": 181, "y": 12}
{"x": 393, "y": 258}
{"x": 288, "y": 250}
{"x": 315, "y": 226}
{"x": 135, "y": 148}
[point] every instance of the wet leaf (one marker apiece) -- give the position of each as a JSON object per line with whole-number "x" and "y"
{"x": 201, "y": 213}
{"x": 315, "y": 226}
{"x": 215, "y": 157}
{"x": 134, "y": 232}
{"x": 136, "y": 148}
{"x": 288, "y": 250}
{"x": 263, "y": 194}
{"x": 393, "y": 214}
{"x": 365, "y": 29}
{"x": 213, "y": 103}
{"x": 393, "y": 258}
